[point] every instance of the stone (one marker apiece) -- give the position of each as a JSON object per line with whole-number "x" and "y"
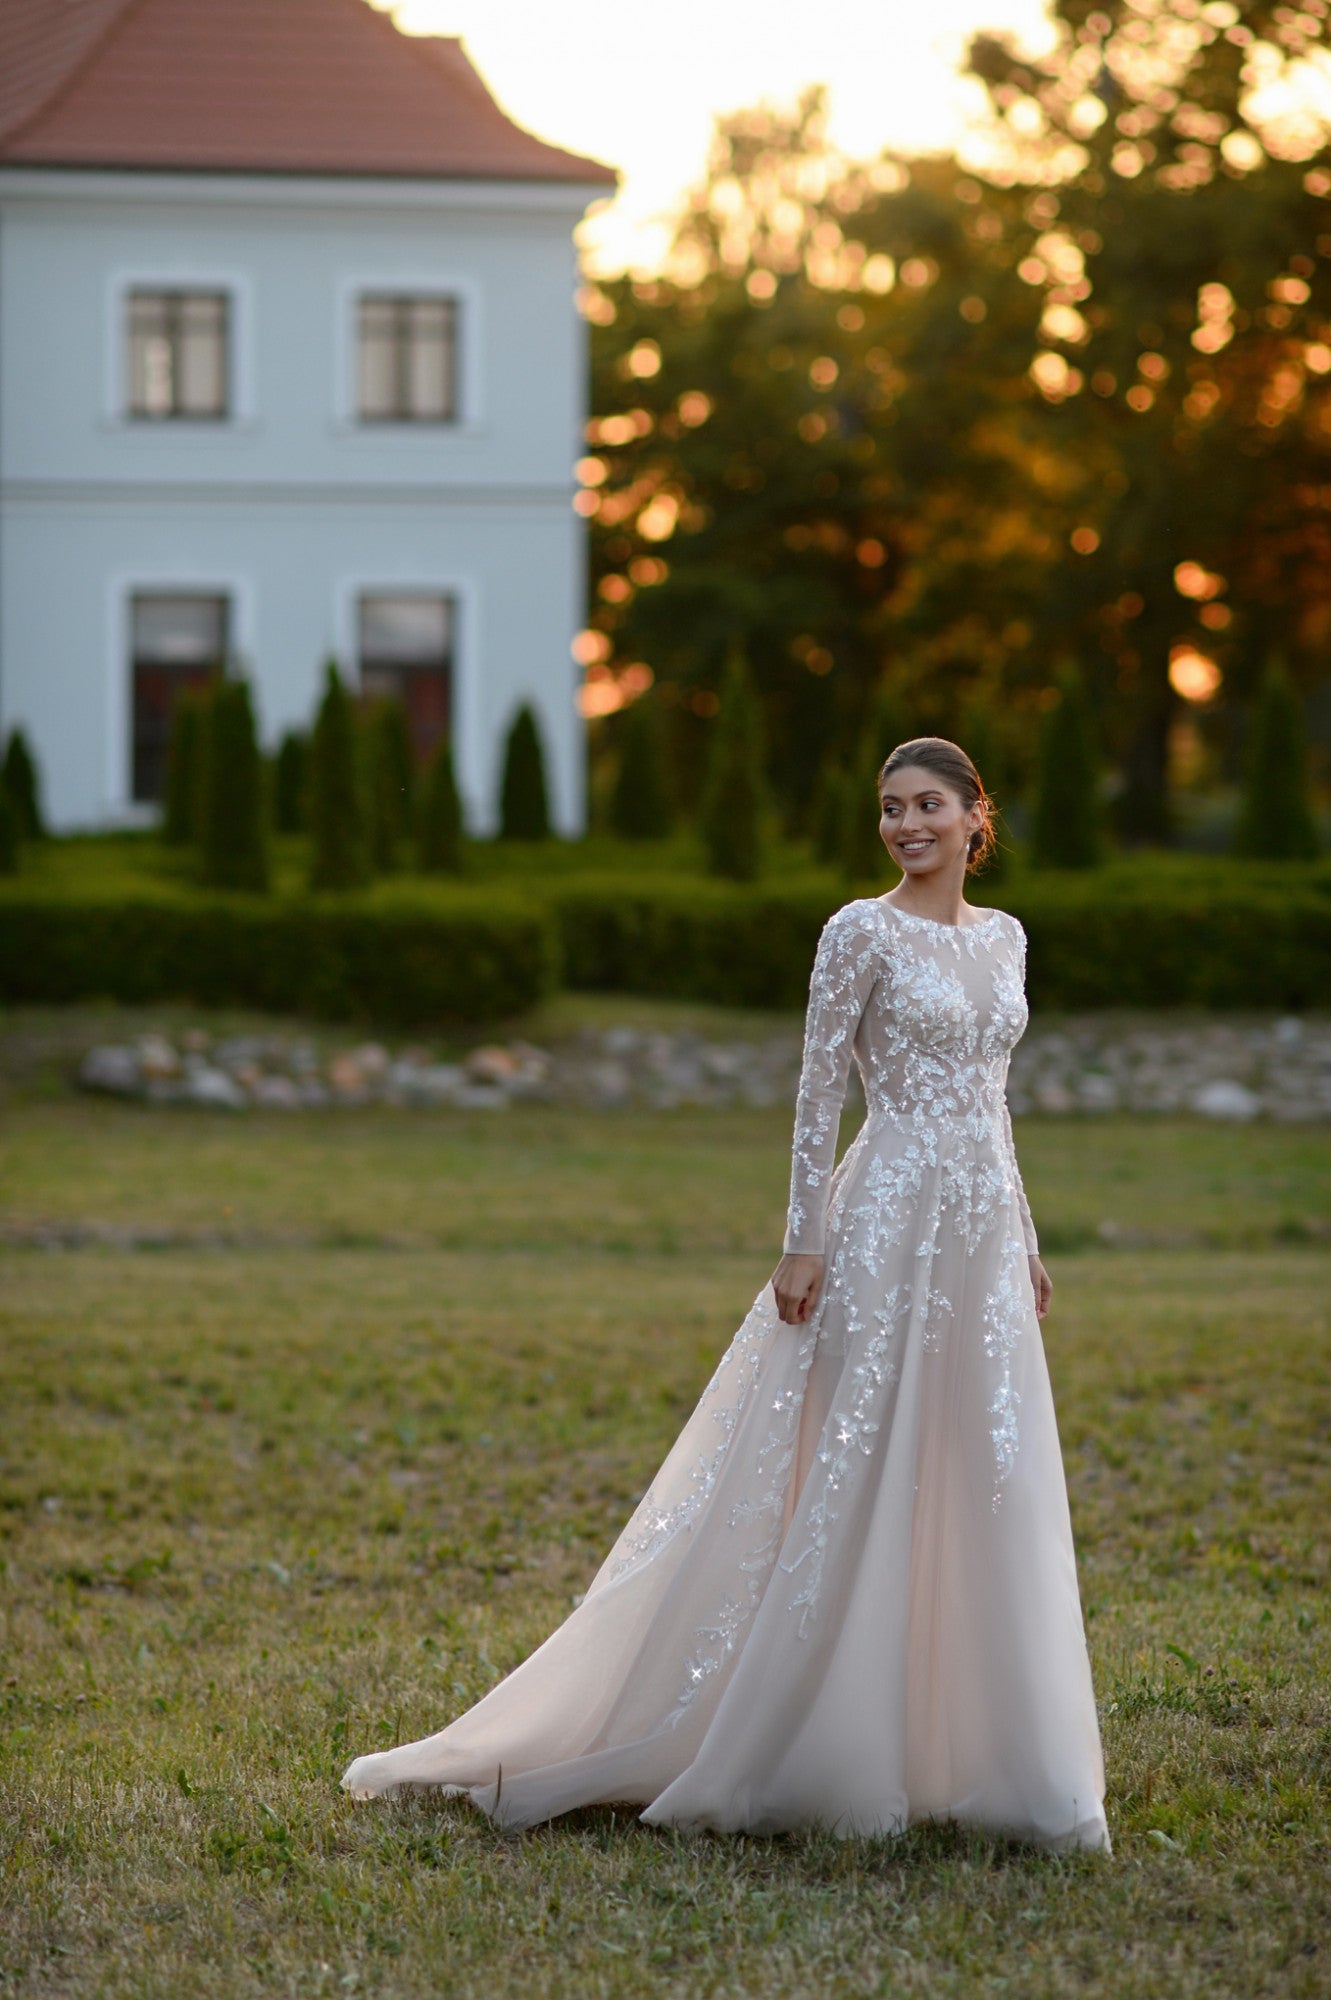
{"x": 1224, "y": 1098}
{"x": 491, "y": 1065}
{"x": 214, "y": 1089}
{"x": 346, "y": 1077}
{"x": 157, "y": 1058}
{"x": 115, "y": 1070}
{"x": 1096, "y": 1091}
{"x": 276, "y": 1093}
{"x": 373, "y": 1060}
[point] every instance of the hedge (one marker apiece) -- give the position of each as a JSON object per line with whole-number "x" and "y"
{"x": 1091, "y": 944}
{"x": 475, "y": 960}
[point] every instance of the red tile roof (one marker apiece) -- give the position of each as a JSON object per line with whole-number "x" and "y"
{"x": 254, "y": 86}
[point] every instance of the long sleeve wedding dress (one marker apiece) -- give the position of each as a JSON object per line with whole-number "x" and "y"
{"x": 849, "y": 1597}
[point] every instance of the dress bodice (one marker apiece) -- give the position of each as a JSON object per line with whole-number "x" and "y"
{"x": 930, "y": 1013}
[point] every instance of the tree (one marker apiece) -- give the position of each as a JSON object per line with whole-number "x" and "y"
{"x": 640, "y": 803}
{"x": 290, "y": 775}
{"x": 826, "y": 809}
{"x": 1276, "y": 819}
{"x": 732, "y": 805}
{"x": 389, "y": 781}
{"x": 234, "y": 848}
{"x": 1067, "y": 830}
{"x": 862, "y": 852}
{"x": 337, "y": 819}
{"x": 182, "y": 806}
{"x": 439, "y": 834}
{"x": 11, "y": 836}
{"x": 19, "y": 779}
{"x": 524, "y": 811}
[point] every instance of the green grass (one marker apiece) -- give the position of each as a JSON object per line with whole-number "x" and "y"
{"x": 312, "y": 1475}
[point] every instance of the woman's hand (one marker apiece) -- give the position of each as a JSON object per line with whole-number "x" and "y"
{"x": 1043, "y": 1284}
{"x": 797, "y": 1282}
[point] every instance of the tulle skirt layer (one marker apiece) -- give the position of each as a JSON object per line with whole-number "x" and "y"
{"x": 849, "y": 1598}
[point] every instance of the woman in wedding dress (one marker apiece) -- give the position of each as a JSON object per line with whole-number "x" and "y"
{"x": 849, "y": 1597}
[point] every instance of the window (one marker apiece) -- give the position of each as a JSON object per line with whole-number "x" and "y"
{"x": 179, "y": 361}
{"x": 406, "y": 654}
{"x": 178, "y": 642}
{"x": 406, "y": 357}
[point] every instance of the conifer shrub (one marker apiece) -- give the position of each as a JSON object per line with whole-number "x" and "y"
{"x": 290, "y": 776}
{"x": 524, "y": 805}
{"x": 862, "y": 854}
{"x": 1276, "y": 820}
{"x": 826, "y": 809}
{"x": 11, "y": 840}
{"x": 1068, "y": 823}
{"x": 182, "y": 806}
{"x": 19, "y": 779}
{"x": 640, "y": 803}
{"x": 731, "y": 816}
{"x": 980, "y": 740}
{"x": 339, "y": 857}
{"x": 233, "y": 843}
{"x": 439, "y": 824}
{"x": 389, "y": 777}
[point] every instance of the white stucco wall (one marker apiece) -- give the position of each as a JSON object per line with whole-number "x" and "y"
{"x": 291, "y": 507}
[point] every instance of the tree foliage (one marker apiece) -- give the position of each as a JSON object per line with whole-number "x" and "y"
{"x": 182, "y": 807}
{"x": 640, "y": 803}
{"x": 439, "y": 833}
{"x": 233, "y": 836}
{"x": 18, "y": 777}
{"x": 731, "y": 818}
{"x": 952, "y": 426}
{"x": 1067, "y": 830}
{"x": 340, "y": 858}
{"x": 290, "y": 775}
{"x": 524, "y": 808}
{"x": 389, "y": 781}
{"x": 1276, "y": 819}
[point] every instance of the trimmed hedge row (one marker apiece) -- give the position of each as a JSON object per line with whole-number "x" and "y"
{"x": 403, "y": 967}
{"x": 1090, "y": 945}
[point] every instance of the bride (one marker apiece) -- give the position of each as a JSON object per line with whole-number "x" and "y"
{"x": 849, "y": 1597}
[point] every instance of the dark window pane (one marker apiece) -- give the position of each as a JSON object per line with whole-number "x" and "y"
{"x": 179, "y": 642}
{"x": 406, "y": 654}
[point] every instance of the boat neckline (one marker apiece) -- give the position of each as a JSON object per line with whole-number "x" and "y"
{"x": 934, "y": 923}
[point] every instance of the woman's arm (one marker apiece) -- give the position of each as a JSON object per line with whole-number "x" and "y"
{"x": 845, "y": 967}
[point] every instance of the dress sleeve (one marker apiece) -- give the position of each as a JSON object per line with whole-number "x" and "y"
{"x": 1027, "y": 1225}
{"x": 845, "y": 968}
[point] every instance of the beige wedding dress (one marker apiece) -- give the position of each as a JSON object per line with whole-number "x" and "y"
{"x": 849, "y": 1597}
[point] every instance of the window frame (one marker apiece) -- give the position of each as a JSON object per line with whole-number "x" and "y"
{"x": 193, "y": 673}
{"x": 465, "y": 295}
{"x": 238, "y": 289}
{"x": 403, "y": 669}
{"x": 401, "y": 416}
{"x": 174, "y": 304}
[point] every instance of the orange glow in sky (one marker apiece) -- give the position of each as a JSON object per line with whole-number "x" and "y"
{"x": 639, "y": 86}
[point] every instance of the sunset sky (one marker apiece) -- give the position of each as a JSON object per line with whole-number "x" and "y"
{"x": 639, "y": 86}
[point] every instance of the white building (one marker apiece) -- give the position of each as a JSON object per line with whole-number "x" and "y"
{"x": 290, "y": 368}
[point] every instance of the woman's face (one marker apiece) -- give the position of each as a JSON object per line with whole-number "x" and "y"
{"x": 925, "y": 827}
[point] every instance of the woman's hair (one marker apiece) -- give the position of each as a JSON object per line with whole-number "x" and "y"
{"x": 949, "y": 762}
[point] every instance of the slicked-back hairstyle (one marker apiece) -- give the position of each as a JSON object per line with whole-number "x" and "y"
{"x": 953, "y": 768}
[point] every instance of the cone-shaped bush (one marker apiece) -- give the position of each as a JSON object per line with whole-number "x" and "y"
{"x": 732, "y": 804}
{"x": 1276, "y": 820}
{"x": 233, "y": 843}
{"x": 439, "y": 830}
{"x": 388, "y": 781}
{"x": 862, "y": 854}
{"x": 19, "y": 779}
{"x": 524, "y": 807}
{"x": 339, "y": 857}
{"x": 11, "y": 840}
{"x": 640, "y": 803}
{"x": 290, "y": 774}
{"x": 182, "y": 807}
{"x": 1067, "y": 829}
{"x": 826, "y": 810}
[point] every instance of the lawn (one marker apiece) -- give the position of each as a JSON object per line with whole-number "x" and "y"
{"x": 324, "y": 1431}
